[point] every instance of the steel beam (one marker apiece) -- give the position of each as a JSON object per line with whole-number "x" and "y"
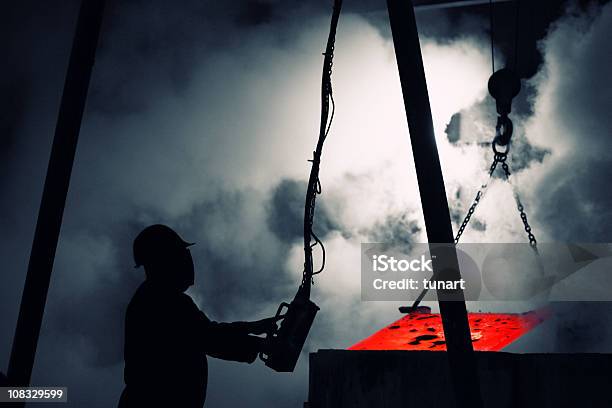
{"x": 55, "y": 191}
{"x": 433, "y": 197}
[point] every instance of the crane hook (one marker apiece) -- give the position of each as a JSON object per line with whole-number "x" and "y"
{"x": 504, "y": 85}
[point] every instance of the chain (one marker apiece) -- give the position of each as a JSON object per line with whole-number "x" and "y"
{"x": 521, "y": 209}
{"x": 532, "y": 239}
{"x": 499, "y": 157}
{"x": 469, "y": 214}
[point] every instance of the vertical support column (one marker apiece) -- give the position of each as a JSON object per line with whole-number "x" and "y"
{"x": 433, "y": 197}
{"x": 55, "y": 191}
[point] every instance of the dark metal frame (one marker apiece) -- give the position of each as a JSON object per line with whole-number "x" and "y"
{"x": 53, "y": 200}
{"x": 433, "y": 197}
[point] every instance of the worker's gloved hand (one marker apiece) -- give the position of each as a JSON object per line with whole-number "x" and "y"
{"x": 264, "y": 325}
{"x": 262, "y": 344}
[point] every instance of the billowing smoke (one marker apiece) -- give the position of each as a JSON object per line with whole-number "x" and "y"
{"x": 569, "y": 189}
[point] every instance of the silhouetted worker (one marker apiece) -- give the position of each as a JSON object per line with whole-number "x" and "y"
{"x": 167, "y": 337}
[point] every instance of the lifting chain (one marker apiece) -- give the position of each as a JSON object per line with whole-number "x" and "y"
{"x": 503, "y": 86}
{"x": 499, "y": 157}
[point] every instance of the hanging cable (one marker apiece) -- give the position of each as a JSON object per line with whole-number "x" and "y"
{"x": 491, "y": 36}
{"x": 285, "y": 343}
{"x": 311, "y": 240}
{"x": 517, "y": 7}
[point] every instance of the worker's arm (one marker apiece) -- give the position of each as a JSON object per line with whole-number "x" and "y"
{"x": 231, "y": 341}
{"x": 228, "y": 341}
{"x": 257, "y": 327}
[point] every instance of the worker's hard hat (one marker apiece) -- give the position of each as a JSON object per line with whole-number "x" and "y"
{"x": 154, "y": 240}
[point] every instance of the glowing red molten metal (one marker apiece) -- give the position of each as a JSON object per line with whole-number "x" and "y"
{"x": 423, "y": 331}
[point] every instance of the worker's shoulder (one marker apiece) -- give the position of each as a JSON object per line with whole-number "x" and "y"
{"x": 149, "y": 296}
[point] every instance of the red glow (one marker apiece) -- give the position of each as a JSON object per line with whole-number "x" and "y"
{"x": 423, "y": 331}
